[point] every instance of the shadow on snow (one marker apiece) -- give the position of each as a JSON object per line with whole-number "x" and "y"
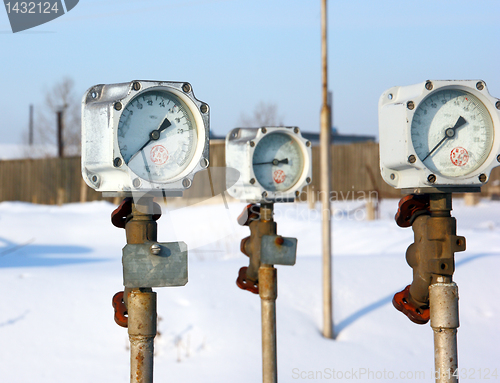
{"x": 13, "y": 321}
{"x": 388, "y": 298}
{"x": 32, "y": 255}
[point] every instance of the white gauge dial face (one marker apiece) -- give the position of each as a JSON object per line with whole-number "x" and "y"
{"x": 278, "y": 162}
{"x": 157, "y": 135}
{"x": 452, "y": 132}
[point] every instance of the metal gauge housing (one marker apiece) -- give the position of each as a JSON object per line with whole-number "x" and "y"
{"x": 143, "y": 136}
{"x": 274, "y": 163}
{"x": 439, "y": 135}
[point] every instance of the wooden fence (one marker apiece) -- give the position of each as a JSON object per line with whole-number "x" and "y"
{"x": 355, "y": 170}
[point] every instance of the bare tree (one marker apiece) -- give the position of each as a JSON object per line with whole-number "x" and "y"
{"x": 264, "y": 114}
{"x": 61, "y": 97}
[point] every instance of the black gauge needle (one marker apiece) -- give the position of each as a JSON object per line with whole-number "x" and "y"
{"x": 448, "y": 133}
{"x": 153, "y": 136}
{"x": 274, "y": 162}
{"x": 164, "y": 125}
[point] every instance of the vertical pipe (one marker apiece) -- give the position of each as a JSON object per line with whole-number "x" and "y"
{"x": 325, "y": 145}
{"x": 443, "y": 302}
{"x": 268, "y": 291}
{"x": 141, "y": 307}
{"x": 141, "y": 302}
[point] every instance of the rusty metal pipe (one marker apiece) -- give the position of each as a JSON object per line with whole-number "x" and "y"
{"x": 258, "y": 228}
{"x": 268, "y": 291}
{"x": 443, "y": 297}
{"x": 141, "y": 332}
{"x": 141, "y": 302}
{"x": 142, "y": 227}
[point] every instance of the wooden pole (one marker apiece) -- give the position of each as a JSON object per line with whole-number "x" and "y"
{"x": 83, "y": 191}
{"x": 325, "y": 145}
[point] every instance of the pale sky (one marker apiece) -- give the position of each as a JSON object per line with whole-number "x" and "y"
{"x": 236, "y": 53}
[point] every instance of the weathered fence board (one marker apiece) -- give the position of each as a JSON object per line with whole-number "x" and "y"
{"x": 355, "y": 170}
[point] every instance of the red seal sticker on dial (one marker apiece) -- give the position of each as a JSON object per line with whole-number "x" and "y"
{"x": 279, "y": 176}
{"x": 159, "y": 155}
{"x": 459, "y": 156}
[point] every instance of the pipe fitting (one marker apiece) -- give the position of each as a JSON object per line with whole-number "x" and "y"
{"x": 432, "y": 254}
{"x": 141, "y": 307}
{"x": 268, "y": 282}
{"x": 260, "y": 224}
{"x": 444, "y": 309}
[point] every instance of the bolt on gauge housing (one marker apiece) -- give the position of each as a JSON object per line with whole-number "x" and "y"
{"x": 274, "y": 163}
{"x": 439, "y": 135}
{"x": 143, "y": 136}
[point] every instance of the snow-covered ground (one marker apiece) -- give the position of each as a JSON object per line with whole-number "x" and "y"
{"x": 60, "y": 266}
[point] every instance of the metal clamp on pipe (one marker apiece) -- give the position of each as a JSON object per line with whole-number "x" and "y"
{"x": 432, "y": 253}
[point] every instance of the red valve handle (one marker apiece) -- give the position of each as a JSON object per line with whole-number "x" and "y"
{"x": 402, "y": 303}
{"x": 409, "y": 206}
{"x": 243, "y": 283}
{"x": 121, "y": 315}
{"x": 119, "y": 215}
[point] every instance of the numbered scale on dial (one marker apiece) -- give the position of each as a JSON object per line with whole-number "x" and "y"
{"x": 274, "y": 163}
{"x": 143, "y": 135}
{"x": 157, "y": 136}
{"x": 439, "y": 134}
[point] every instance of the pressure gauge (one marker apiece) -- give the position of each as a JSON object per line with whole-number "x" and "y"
{"x": 444, "y": 125}
{"x": 439, "y": 135}
{"x": 163, "y": 142}
{"x": 274, "y": 163}
{"x": 143, "y": 136}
